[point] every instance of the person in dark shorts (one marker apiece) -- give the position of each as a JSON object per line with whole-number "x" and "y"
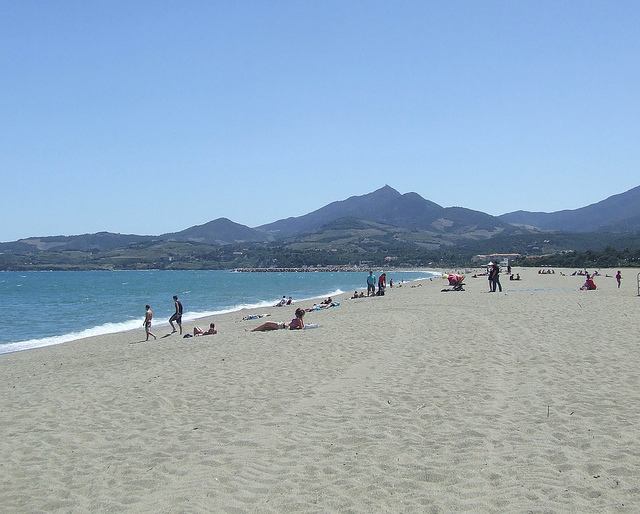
{"x": 177, "y": 316}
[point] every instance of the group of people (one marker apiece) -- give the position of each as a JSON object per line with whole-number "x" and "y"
{"x": 177, "y": 318}
{"x": 298, "y": 322}
{"x": 382, "y": 284}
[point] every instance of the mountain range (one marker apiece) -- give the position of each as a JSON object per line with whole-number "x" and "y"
{"x": 399, "y": 217}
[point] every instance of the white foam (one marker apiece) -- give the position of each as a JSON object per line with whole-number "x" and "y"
{"x": 107, "y": 328}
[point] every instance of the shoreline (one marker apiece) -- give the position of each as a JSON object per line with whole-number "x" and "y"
{"x": 132, "y": 325}
{"x": 418, "y": 400}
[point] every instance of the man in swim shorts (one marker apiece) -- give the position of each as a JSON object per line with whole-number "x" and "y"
{"x": 147, "y": 322}
{"x": 177, "y": 316}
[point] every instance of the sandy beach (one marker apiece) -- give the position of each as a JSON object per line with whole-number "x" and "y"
{"x": 416, "y": 401}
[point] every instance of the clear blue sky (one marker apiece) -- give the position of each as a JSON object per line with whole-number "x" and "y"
{"x": 147, "y": 117}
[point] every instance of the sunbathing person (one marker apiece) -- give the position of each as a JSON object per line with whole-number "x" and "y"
{"x": 255, "y": 316}
{"x": 295, "y": 324}
{"x": 197, "y": 331}
{"x": 322, "y": 306}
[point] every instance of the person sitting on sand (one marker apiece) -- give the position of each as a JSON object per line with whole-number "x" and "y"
{"x": 589, "y": 284}
{"x": 197, "y": 331}
{"x": 294, "y": 324}
{"x": 281, "y": 302}
{"x": 290, "y": 301}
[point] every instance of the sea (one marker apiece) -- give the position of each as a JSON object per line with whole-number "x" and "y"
{"x": 42, "y": 308}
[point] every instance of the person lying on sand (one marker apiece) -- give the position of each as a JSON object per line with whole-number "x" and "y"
{"x": 197, "y": 331}
{"x": 296, "y": 323}
{"x": 321, "y": 306}
{"x": 255, "y": 316}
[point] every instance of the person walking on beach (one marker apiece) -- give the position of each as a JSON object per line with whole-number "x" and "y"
{"x": 371, "y": 284}
{"x": 177, "y": 316}
{"x": 618, "y": 278}
{"x": 147, "y": 322}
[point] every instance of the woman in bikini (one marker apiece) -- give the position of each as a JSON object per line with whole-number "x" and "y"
{"x": 296, "y": 323}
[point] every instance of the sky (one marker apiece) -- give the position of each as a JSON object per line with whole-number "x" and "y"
{"x": 149, "y": 117}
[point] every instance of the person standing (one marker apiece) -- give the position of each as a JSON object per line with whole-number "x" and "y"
{"x": 496, "y": 277}
{"x": 618, "y": 278}
{"x": 177, "y": 316}
{"x": 147, "y": 322}
{"x": 371, "y": 284}
{"x": 382, "y": 284}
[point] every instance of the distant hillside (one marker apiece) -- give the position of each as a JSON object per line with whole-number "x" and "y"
{"x": 620, "y": 212}
{"x": 101, "y": 241}
{"x": 388, "y": 206}
{"x": 367, "y": 223}
{"x": 363, "y": 207}
{"x": 221, "y": 231}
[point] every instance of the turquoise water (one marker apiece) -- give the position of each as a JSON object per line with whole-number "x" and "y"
{"x": 44, "y": 308}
